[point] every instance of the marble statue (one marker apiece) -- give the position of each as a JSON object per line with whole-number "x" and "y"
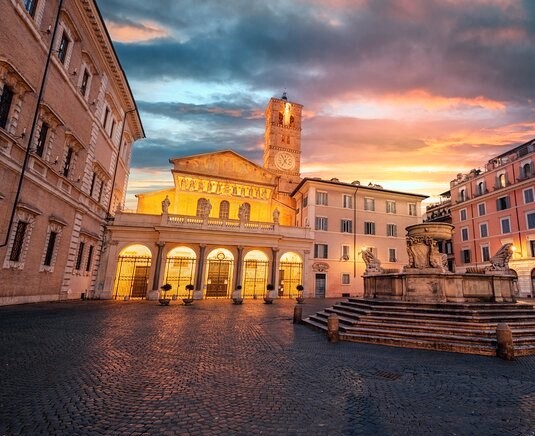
{"x": 373, "y": 265}
{"x": 165, "y": 205}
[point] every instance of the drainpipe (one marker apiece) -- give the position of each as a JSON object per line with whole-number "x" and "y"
{"x": 32, "y": 131}
{"x": 355, "y": 233}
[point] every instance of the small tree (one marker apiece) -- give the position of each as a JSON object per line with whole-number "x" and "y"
{"x": 166, "y": 288}
{"x": 300, "y": 289}
{"x": 190, "y": 289}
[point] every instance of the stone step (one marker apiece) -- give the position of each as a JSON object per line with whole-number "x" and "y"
{"x": 461, "y": 310}
{"x": 429, "y": 329}
{"x": 438, "y": 345}
{"x": 451, "y": 317}
{"x": 481, "y": 339}
{"x": 414, "y": 305}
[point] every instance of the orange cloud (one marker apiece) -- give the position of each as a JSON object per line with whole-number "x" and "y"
{"x": 144, "y": 31}
{"x": 423, "y": 98}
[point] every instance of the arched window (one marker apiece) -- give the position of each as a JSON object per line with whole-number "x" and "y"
{"x": 481, "y": 188}
{"x": 526, "y": 170}
{"x": 224, "y": 208}
{"x": 201, "y": 206}
{"x": 462, "y": 195}
{"x": 502, "y": 181}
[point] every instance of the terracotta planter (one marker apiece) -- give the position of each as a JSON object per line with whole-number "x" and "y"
{"x": 268, "y": 300}
{"x": 237, "y": 300}
{"x": 164, "y": 301}
{"x": 187, "y": 301}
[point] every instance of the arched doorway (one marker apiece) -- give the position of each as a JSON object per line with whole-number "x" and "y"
{"x": 255, "y": 274}
{"x": 290, "y": 274}
{"x": 219, "y": 274}
{"x": 180, "y": 269}
{"x": 132, "y": 273}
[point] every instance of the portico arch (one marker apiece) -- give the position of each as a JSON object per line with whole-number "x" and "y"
{"x": 290, "y": 274}
{"x": 132, "y": 273}
{"x": 255, "y": 275}
{"x": 180, "y": 269}
{"x": 219, "y": 273}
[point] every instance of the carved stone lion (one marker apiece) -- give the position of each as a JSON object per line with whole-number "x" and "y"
{"x": 438, "y": 259}
{"x": 500, "y": 261}
{"x": 373, "y": 265}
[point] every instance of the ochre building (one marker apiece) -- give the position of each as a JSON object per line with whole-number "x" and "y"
{"x": 229, "y": 223}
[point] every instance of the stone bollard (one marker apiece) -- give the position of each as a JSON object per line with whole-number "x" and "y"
{"x": 332, "y": 328}
{"x": 298, "y": 314}
{"x": 505, "y": 348}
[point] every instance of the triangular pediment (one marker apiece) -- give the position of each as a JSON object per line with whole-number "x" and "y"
{"x": 226, "y": 165}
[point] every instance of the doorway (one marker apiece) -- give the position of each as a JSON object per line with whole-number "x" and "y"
{"x": 320, "y": 285}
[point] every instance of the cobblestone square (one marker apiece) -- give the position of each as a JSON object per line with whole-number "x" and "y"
{"x": 132, "y": 368}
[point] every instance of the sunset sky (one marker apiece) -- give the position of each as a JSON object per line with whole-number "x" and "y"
{"x": 404, "y": 93}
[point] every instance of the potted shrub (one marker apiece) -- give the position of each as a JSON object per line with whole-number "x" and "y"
{"x": 236, "y": 295}
{"x": 189, "y": 301}
{"x": 300, "y": 297}
{"x": 164, "y": 301}
{"x": 268, "y": 299}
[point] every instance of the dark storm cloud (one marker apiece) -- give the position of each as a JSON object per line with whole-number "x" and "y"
{"x": 449, "y": 48}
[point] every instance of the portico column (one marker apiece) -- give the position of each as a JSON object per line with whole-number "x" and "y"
{"x": 200, "y": 267}
{"x": 274, "y": 266}
{"x": 237, "y": 278}
{"x": 157, "y": 269}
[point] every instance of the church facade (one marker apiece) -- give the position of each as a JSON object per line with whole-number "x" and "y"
{"x": 228, "y": 222}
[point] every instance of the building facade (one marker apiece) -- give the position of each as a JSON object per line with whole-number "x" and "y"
{"x": 348, "y": 218}
{"x": 67, "y": 124}
{"x": 229, "y": 222}
{"x": 495, "y": 206}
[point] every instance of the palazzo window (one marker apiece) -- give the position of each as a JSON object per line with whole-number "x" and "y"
{"x": 501, "y": 181}
{"x": 505, "y": 225}
{"x": 321, "y": 223}
{"x": 63, "y": 47}
{"x": 347, "y": 201}
{"x": 390, "y": 206}
{"x": 369, "y": 204}
{"x": 31, "y": 7}
{"x": 485, "y": 253}
{"x": 465, "y": 256}
{"x": 391, "y": 230}
{"x": 346, "y": 279}
{"x": 321, "y": 251}
{"x": 19, "y": 239}
{"x": 89, "y": 260}
{"x": 530, "y": 219}
{"x": 483, "y": 230}
{"x": 392, "y": 255}
{"x": 346, "y": 226}
{"x": 80, "y": 255}
{"x": 481, "y": 209}
{"x": 462, "y": 214}
{"x": 51, "y": 247}
{"x": 41, "y": 140}
{"x": 528, "y": 196}
{"x": 345, "y": 252}
{"x": 503, "y": 203}
{"x": 464, "y": 234}
{"x": 67, "y": 163}
{"x": 412, "y": 209}
{"x": 321, "y": 198}
{"x": 84, "y": 83}
{"x": 369, "y": 228}
{"x": 5, "y": 105}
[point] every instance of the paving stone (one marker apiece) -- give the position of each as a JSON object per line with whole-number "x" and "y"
{"x": 112, "y": 368}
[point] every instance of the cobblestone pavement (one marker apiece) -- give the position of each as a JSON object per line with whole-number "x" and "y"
{"x": 132, "y": 368}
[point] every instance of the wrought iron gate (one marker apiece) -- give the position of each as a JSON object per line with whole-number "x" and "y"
{"x": 179, "y": 272}
{"x": 290, "y": 275}
{"x": 132, "y": 278}
{"x": 255, "y": 278}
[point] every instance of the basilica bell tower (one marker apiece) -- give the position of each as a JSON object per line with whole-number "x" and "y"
{"x": 282, "y": 141}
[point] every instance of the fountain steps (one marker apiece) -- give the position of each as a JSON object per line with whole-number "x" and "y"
{"x": 451, "y": 327}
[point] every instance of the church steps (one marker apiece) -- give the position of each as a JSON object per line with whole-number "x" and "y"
{"x": 447, "y": 327}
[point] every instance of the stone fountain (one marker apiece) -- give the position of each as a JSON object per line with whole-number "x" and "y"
{"x": 427, "y": 279}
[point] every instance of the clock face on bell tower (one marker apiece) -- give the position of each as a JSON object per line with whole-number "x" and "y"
{"x": 282, "y": 142}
